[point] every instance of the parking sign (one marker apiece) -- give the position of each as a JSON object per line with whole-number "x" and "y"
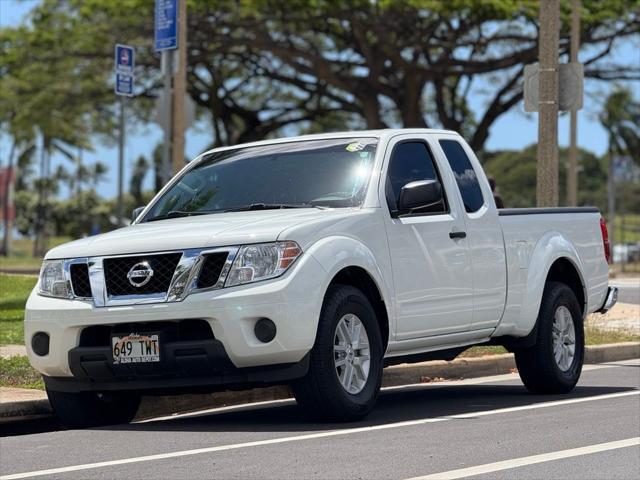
{"x": 125, "y": 59}
{"x": 166, "y": 25}
{"x": 124, "y": 84}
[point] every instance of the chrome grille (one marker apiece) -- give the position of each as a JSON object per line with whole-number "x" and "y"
{"x": 116, "y": 271}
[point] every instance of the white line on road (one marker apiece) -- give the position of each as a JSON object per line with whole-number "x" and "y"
{"x": 531, "y": 460}
{"x": 298, "y": 438}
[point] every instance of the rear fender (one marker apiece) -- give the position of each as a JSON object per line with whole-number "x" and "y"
{"x": 549, "y": 248}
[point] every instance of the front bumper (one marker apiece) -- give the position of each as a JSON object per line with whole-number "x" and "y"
{"x": 292, "y": 302}
{"x": 610, "y": 300}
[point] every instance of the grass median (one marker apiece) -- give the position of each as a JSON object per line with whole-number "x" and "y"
{"x": 16, "y": 372}
{"x": 14, "y": 290}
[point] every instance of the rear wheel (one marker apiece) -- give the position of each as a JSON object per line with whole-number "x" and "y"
{"x": 554, "y": 363}
{"x": 91, "y": 409}
{"x": 345, "y": 368}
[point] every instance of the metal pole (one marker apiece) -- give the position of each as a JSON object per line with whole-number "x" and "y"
{"x": 120, "y": 206}
{"x": 611, "y": 201}
{"x": 167, "y": 66}
{"x": 572, "y": 170}
{"x": 547, "y": 178}
{"x": 179, "y": 91}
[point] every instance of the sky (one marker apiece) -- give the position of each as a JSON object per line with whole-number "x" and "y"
{"x": 513, "y": 130}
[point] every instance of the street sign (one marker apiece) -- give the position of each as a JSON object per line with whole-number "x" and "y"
{"x": 166, "y": 25}
{"x": 570, "y": 87}
{"x": 125, "y": 59}
{"x": 124, "y": 84}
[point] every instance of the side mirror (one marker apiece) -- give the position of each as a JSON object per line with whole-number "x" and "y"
{"x": 136, "y": 213}
{"x": 420, "y": 194}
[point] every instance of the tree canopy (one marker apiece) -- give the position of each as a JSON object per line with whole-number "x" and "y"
{"x": 258, "y": 68}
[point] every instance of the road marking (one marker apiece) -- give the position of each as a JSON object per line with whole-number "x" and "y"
{"x": 532, "y": 460}
{"x": 311, "y": 436}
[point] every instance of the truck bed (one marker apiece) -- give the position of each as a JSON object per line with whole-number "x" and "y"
{"x": 530, "y": 234}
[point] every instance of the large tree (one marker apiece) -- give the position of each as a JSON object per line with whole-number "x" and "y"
{"x": 261, "y": 67}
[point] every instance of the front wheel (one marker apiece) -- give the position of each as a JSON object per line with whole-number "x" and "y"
{"x": 92, "y": 409}
{"x": 345, "y": 369}
{"x": 554, "y": 363}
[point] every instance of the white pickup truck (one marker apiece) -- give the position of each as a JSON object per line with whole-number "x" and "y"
{"x": 314, "y": 261}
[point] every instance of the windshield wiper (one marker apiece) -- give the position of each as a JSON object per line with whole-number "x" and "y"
{"x": 180, "y": 213}
{"x": 270, "y": 206}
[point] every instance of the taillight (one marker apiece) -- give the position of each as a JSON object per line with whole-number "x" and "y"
{"x": 605, "y": 240}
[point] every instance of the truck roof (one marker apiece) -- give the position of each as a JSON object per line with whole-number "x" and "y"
{"x": 379, "y": 133}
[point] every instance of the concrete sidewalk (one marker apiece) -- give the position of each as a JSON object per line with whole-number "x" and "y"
{"x": 16, "y": 403}
{"x": 8, "y": 351}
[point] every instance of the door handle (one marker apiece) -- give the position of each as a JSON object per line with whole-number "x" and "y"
{"x": 454, "y": 235}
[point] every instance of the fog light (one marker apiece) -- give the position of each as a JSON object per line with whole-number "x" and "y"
{"x": 265, "y": 330}
{"x": 40, "y": 343}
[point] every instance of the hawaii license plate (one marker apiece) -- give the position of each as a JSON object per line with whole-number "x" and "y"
{"x": 135, "y": 348}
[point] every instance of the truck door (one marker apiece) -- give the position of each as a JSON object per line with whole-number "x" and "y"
{"x": 484, "y": 233}
{"x": 429, "y": 255}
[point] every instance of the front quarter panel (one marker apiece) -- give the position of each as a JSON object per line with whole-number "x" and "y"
{"x": 336, "y": 253}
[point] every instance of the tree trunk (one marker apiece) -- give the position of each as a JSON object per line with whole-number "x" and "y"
{"x": 409, "y": 102}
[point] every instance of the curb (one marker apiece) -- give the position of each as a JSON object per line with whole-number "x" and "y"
{"x": 20, "y": 271}
{"x": 405, "y": 374}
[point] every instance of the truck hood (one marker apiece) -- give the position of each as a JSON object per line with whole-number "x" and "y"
{"x": 233, "y": 228}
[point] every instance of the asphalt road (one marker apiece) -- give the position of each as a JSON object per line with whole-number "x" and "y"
{"x": 483, "y": 428}
{"x": 628, "y": 290}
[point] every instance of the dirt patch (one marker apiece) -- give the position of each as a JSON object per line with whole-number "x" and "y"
{"x": 623, "y": 317}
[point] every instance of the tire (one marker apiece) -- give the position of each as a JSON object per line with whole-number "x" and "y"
{"x": 92, "y": 409}
{"x": 321, "y": 392}
{"x": 539, "y": 368}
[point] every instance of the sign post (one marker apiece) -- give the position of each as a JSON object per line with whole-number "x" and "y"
{"x": 165, "y": 41}
{"x": 125, "y": 63}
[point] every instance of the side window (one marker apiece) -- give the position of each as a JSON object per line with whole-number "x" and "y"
{"x": 465, "y": 175}
{"x": 410, "y": 161}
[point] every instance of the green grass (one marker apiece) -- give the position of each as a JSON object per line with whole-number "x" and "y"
{"x": 631, "y": 231}
{"x": 22, "y": 253}
{"x": 14, "y": 290}
{"x": 595, "y": 336}
{"x": 17, "y": 373}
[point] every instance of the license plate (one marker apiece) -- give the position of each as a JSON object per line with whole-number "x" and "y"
{"x": 135, "y": 348}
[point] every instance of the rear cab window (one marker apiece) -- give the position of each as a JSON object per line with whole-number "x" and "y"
{"x": 464, "y": 174}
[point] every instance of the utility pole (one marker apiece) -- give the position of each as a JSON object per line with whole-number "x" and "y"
{"x": 120, "y": 206}
{"x": 179, "y": 91}
{"x": 572, "y": 170}
{"x": 167, "y": 70}
{"x": 549, "y": 38}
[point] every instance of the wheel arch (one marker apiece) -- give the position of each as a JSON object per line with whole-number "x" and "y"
{"x": 359, "y": 278}
{"x": 349, "y": 261}
{"x": 554, "y": 258}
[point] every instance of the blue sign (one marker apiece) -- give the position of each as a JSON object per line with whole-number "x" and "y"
{"x": 166, "y": 25}
{"x": 124, "y": 84}
{"x": 125, "y": 59}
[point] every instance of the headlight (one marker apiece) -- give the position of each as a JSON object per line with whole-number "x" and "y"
{"x": 262, "y": 261}
{"x": 53, "y": 282}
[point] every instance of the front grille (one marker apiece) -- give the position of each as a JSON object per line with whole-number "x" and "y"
{"x": 80, "y": 280}
{"x": 211, "y": 269}
{"x": 116, "y": 270}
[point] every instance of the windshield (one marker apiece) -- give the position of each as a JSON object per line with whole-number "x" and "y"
{"x": 316, "y": 173}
